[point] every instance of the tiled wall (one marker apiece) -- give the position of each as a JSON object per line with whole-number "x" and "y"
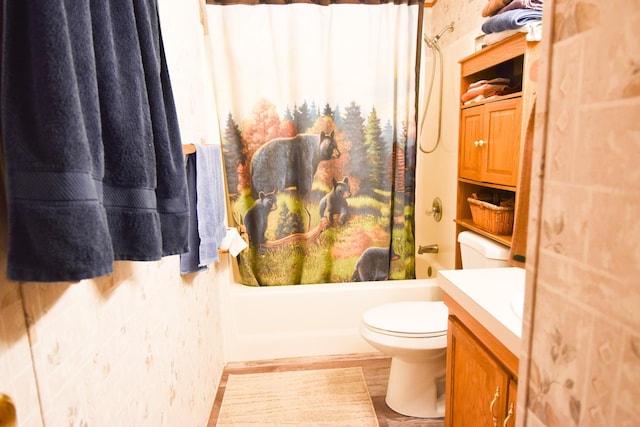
{"x": 141, "y": 347}
{"x": 585, "y": 349}
{"x": 582, "y": 365}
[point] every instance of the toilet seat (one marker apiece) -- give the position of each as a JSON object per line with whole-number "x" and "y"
{"x": 410, "y": 319}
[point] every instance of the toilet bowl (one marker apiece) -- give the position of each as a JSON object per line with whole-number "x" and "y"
{"x": 414, "y": 335}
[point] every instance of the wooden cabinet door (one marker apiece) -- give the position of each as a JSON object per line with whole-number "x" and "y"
{"x": 470, "y": 154}
{"x": 501, "y": 141}
{"x": 477, "y": 386}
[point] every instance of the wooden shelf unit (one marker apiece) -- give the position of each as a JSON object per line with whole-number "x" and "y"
{"x": 492, "y": 130}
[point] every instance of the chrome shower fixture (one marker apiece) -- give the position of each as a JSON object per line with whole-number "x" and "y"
{"x": 432, "y": 41}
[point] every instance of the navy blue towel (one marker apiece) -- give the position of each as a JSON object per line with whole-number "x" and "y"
{"x": 511, "y": 20}
{"x": 93, "y": 157}
{"x": 190, "y": 261}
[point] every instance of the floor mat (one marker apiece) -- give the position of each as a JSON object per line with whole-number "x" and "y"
{"x": 324, "y": 397}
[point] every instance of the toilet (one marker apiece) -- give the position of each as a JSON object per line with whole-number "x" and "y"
{"x": 477, "y": 251}
{"x": 414, "y": 335}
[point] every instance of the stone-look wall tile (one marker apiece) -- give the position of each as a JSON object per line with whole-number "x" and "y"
{"x": 618, "y": 76}
{"x": 614, "y": 233}
{"x": 562, "y": 118}
{"x": 576, "y": 16}
{"x": 532, "y": 421}
{"x": 626, "y": 397}
{"x": 609, "y": 154}
{"x": 562, "y": 338}
{"x": 601, "y": 292}
{"x": 631, "y": 87}
{"x": 566, "y": 214}
{"x": 589, "y": 260}
{"x": 604, "y": 354}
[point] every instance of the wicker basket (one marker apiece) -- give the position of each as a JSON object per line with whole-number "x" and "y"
{"x": 492, "y": 218}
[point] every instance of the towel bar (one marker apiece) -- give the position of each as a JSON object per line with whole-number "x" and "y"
{"x": 188, "y": 149}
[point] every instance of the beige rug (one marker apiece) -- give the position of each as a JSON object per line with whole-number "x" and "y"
{"x": 325, "y": 397}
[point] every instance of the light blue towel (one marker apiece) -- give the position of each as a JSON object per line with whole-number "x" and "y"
{"x": 210, "y": 201}
{"x": 511, "y": 20}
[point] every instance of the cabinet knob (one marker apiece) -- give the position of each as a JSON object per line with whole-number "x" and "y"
{"x": 481, "y": 143}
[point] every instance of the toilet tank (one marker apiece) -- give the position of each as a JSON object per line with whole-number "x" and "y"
{"x": 479, "y": 252}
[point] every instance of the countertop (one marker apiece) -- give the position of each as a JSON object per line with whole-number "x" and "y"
{"x": 487, "y": 294}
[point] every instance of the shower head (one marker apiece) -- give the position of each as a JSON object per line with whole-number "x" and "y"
{"x": 432, "y": 41}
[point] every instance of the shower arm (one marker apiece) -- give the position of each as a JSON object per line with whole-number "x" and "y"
{"x": 449, "y": 27}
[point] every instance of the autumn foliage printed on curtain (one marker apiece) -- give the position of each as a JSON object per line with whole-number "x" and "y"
{"x": 318, "y": 135}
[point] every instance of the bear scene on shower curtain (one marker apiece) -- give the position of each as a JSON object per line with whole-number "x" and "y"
{"x": 321, "y": 174}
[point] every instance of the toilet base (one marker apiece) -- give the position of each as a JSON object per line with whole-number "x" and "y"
{"x": 416, "y": 389}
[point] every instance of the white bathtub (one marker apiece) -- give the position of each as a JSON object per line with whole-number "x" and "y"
{"x": 308, "y": 320}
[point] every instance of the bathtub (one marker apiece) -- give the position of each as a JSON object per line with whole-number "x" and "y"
{"x": 307, "y": 320}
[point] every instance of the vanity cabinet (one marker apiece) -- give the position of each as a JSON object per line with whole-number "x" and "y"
{"x": 492, "y": 130}
{"x": 481, "y": 386}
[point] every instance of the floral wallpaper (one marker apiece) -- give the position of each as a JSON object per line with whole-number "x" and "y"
{"x": 141, "y": 347}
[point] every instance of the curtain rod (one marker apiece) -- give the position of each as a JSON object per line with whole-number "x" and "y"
{"x": 318, "y": 2}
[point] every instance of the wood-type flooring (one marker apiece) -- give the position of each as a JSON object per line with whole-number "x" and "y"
{"x": 374, "y": 366}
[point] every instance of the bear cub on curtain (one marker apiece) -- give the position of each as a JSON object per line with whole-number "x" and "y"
{"x": 255, "y": 220}
{"x": 335, "y": 202}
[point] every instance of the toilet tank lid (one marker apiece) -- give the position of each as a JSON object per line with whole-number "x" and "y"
{"x": 487, "y": 247}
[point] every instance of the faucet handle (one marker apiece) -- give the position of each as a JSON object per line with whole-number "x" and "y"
{"x": 436, "y": 209}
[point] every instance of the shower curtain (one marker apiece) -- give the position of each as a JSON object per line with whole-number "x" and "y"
{"x": 317, "y": 117}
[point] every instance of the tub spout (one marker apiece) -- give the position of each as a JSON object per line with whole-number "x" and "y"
{"x": 429, "y": 249}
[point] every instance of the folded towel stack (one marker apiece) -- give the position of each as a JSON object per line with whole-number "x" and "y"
{"x": 511, "y": 20}
{"x": 93, "y": 157}
{"x": 494, "y": 7}
{"x": 484, "y": 89}
{"x": 507, "y": 15}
